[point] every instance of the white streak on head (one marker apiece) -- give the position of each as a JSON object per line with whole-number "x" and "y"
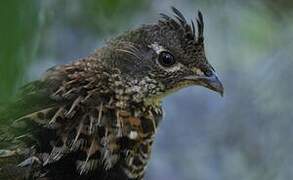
{"x": 175, "y": 68}
{"x": 157, "y": 48}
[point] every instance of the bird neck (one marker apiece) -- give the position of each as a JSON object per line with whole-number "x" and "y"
{"x": 131, "y": 91}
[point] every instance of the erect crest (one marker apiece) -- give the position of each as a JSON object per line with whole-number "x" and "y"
{"x": 179, "y": 22}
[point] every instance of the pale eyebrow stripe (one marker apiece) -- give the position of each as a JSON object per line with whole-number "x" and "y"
{"x": 157, "y": 48}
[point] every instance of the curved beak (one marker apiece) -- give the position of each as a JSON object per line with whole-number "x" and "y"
{"x": 214, "y": 83}
{"x": 211, "y": 82}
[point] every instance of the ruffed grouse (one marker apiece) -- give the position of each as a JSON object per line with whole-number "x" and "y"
{"x": 97, "y": 117}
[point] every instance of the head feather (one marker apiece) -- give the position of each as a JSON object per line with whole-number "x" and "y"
{"x": 189, "y": 29}
{"x": 200, "y": 27}
{"x": 179, "y": 16}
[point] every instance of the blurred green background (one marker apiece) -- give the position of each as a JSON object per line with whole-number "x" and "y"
{"x": 245, "y": 136}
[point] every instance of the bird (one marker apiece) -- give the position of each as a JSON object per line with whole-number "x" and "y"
{"x": 97, "y": 117}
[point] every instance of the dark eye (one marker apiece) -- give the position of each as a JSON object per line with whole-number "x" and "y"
{"x": 208, "y": 73}
{"x": 166, "y": 59}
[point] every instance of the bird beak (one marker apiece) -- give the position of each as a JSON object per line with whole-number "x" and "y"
{"x": 211, "y": 82}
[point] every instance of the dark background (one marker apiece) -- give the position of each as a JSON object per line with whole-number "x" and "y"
{"x": 247, "y": 135}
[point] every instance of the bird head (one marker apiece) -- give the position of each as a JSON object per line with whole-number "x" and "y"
{"x": 166, "y": 56}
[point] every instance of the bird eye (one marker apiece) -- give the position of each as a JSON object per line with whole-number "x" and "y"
{"x": 208, "y": 73}
{"x": 166, "y": 59}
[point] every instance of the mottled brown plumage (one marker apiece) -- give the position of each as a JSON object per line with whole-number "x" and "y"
{"x": 97, "y": 117}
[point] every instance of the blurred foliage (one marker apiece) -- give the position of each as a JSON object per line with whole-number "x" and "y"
{"x": 98, "y": 16}
{"x": 110, "y": 14}
{"x": 22, "y": 25}
{"x": 18, "y": 31}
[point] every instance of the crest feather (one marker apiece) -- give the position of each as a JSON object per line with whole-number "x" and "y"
{"x": 189, "y": 29}
{"x": 200, "y": 27}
